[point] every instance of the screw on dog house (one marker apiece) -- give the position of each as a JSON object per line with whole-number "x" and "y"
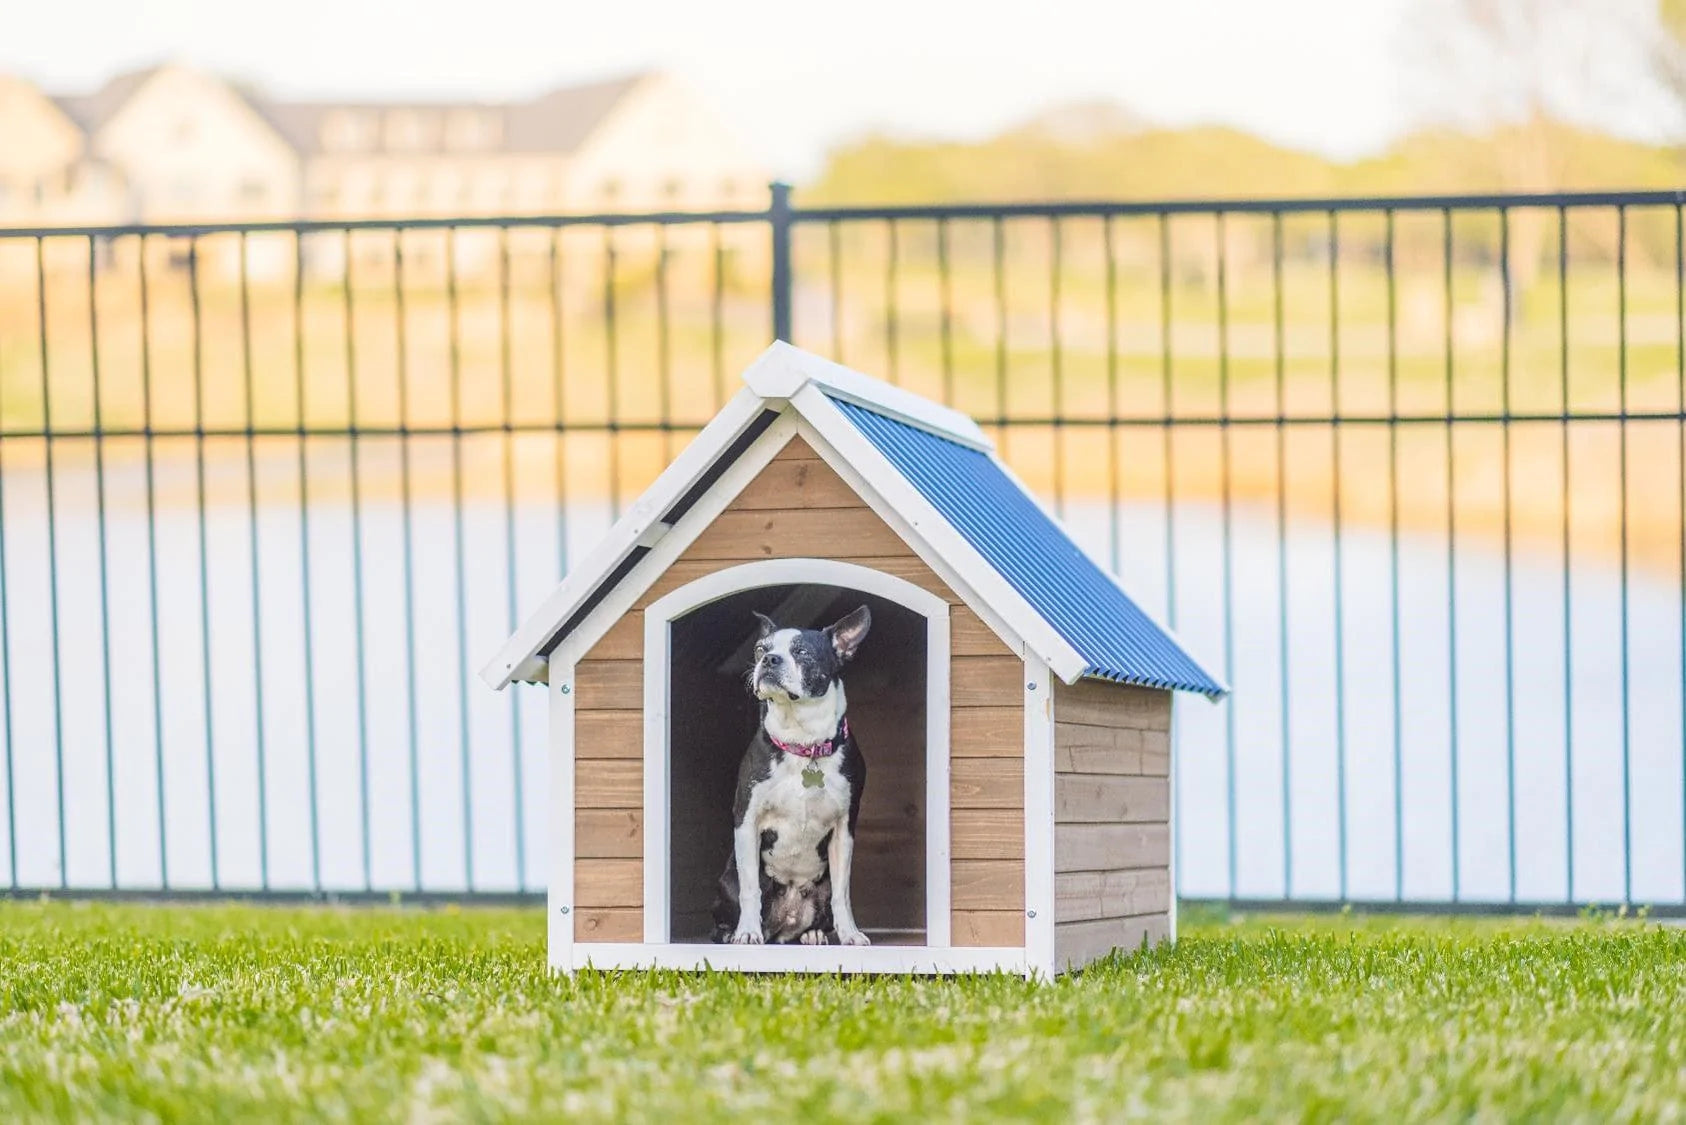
{"x": 1006, "y": 824}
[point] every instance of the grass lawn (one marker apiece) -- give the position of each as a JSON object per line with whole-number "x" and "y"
{"x": 246, "y": 1013}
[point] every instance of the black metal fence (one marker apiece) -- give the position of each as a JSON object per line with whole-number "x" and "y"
{"x": 1410, "y": 472}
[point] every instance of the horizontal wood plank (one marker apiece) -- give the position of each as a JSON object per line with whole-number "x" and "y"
{"x": 986, "y": 732}
{"x": 608, "y": 685}
{"x": 842, "y": 533}
{"x": 609, "y": 833}
{"x": 1078, "y": 943}
{"x": 1102, "y": 704}
{"x": 623, "y": 641}
{"x": 986, "y": 834}
{"x": 609, "y": 734}
{"x": 609, "y": 924}
{"x": 1082, "y": 798}
{"x": 608, "y": 783}
{"x": 968, "y": 635}
{"x": 986, "y": 927}
{"x": 986, "y": 783}
{"x": 1111, "y": 847}
{"x": 608, "y": 882}
{"x": 1084, "y": 895}
{"x": 796, "y": 482}
{"x": 986, "y": 681}
{"x": 986, "y": 884}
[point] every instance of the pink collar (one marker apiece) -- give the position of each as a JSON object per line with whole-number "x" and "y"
{"x": 823, "y": 749}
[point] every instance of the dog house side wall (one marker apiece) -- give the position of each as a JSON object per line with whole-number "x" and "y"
{"x": 1112, "y": 819}
{"x": 798, "y": 507}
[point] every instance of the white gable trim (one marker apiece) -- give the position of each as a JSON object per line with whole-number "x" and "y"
{"x": 782, "y": 370}
{"x": 518, "y": 659}
{"x": 619, "y": 601}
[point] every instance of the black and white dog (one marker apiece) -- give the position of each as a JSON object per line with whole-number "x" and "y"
{"x": 799, "y": 794}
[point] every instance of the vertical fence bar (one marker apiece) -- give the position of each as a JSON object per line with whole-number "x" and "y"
{"x": 1451, "y": 544}
{"x": 1568, "y": 568}
{"x": 664, "y": 357}
{"x": 6, "y": 670}
{"x": 204, "y": 552}
{"x": 1393, "y": 561}
{"x": 1115, "y": 462}
{"x": 257, "y": 568}
{"x": 998, "y": 245}
{"x": 558, "y": 369}
{"x": 1279, "y": 350}
{"x": 512, "y": 602}
{"x": 946, "y": 313}
{"x": 611, "y": 375}
{"x": 717, "y": 319}
{"x": 1340, "y": 584}
{"x": 149, "y": 456}
{"x": 779, "y": 221}
{"x": 349, "y": 312}
{"x": 105, "y": 585}
{"x": 1227, "y": 500}
{"x": 52, "y": 555}
{"x": 307, "y": 612}
{"x": 1168, "y": 401}
{"x": 1621, "y": 433}
{"x": 407, "y": 531}
{"x": 458, "y": 556}
{"x": 834, "y": 262}
{"x": 1056, "y": 254}
{"x": 1508, "y": 296}
{"x": 892, "y": 266}
{"x": 1680, "y": 458}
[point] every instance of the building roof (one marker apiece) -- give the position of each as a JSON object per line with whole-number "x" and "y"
{"x": 557, "y": 121}
{"x": 936, "y": 475}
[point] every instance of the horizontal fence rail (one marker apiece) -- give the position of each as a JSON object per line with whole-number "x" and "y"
{"x": 1409, "y": 473}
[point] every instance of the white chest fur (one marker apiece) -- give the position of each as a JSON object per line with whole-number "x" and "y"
{"x": 801, "y": 814}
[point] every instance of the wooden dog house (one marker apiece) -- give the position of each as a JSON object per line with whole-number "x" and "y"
{"x": 1012, "y": 702}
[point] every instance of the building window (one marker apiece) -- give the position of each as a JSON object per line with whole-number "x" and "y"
{"x": 253, "y": 190}
{"x": 672, "y": 188}
{"x": 611, "y": 191}
{"x": 471, "y": 130}
{"x": 346, "y": 131}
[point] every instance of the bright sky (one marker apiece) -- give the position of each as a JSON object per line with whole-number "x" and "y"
{"x": 795, "y": 77}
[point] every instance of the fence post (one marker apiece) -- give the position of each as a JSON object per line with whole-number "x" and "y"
{"x": 778, "y": 215}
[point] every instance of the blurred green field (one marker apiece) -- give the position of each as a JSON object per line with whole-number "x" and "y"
{"x": 245, "y": 1013}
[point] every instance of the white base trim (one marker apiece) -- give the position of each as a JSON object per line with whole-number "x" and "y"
{"x": 921, "y": 959}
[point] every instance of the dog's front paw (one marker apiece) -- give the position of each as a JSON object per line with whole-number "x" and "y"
{"x": 852, "y": 937}
{"x": 813, "y": 937}
{"x": 747, "y": 937}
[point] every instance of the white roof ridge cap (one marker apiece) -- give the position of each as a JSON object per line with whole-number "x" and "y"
{"x": 783, "y": 370}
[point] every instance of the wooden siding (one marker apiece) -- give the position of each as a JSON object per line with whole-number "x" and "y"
{"x": 1112, "y": 816}
{"x": 795, "y": 503}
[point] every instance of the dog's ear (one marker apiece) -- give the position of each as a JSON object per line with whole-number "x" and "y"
{"x": 766, "y": 623}
{"x": 847, "y": 635}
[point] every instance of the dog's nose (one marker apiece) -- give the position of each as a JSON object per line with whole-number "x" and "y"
{"x": 772, "y": 660}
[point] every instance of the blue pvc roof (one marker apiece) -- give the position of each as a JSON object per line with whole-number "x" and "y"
{"x": 1112, "y": 634}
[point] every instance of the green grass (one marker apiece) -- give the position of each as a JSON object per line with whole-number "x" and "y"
{"x": 243, "y": 1013}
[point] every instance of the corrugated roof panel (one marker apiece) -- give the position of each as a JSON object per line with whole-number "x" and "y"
{"x": 1028, "y": 549}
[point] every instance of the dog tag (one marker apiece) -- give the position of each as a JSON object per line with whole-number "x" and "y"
{"x": 812, "y": 778}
